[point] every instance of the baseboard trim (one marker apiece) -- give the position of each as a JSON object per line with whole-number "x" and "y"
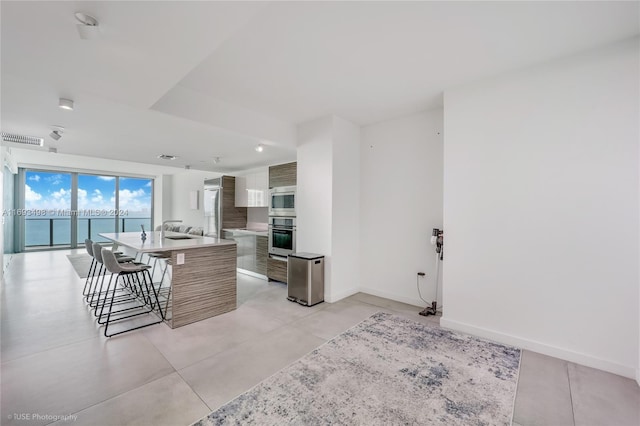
{"x": 395, "y": 297}
{"x": 554, "y": 351}
{"x": 332, "y": 298}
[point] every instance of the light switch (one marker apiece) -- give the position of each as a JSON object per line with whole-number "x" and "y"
{"x": 180, "y": 259}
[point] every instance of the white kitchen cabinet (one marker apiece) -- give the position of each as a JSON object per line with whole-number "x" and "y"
{"x": 252, "y": 189}
{"x": 242, "y": 199}
{"x": 262, "y": 188}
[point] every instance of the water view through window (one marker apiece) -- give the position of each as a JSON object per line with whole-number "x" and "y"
{"x": 47, "y": 198}
{"x": 102, "y": 204}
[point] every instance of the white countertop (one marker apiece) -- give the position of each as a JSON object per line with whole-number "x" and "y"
{"x": 153, "y": 242}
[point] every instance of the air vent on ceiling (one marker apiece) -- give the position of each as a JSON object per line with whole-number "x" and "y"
{"x": 22, "y": 139}
{"x": 167, "y": 157}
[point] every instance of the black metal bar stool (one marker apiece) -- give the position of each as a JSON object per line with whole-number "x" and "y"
{"x": 131, "y": 275}
{"x": 88, "y": 244}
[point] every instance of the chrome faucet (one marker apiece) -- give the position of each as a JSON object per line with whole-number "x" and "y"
{"x": 162, "y": 228}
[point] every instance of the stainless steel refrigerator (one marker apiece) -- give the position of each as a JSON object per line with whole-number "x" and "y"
{"x": 213, "y": 208}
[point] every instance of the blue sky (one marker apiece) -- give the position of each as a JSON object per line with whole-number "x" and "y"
{"x": 50, "y": 190}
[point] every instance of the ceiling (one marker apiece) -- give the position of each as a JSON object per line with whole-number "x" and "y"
{"x": 213, "y": 79}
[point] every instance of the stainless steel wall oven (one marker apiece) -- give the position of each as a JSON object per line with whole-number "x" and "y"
{"x": 282, "y": 201}
{"x": 282, "y": 235}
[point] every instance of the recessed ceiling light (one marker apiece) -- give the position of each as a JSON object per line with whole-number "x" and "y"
{"x": 65, "y": 104}
{"x": 167, "y": 157}
{"x": 259, "y": 148}
{"x": 86, "y": 19}
{"x": 88, "y": 26}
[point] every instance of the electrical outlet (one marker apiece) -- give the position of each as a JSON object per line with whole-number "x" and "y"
{"x": 180, "y": 259}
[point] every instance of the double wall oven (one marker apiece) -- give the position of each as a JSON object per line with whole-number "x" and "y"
{"x": 282, "y": 221}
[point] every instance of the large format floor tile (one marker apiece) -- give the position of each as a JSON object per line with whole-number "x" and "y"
{"x": 42, "y": 331}
{"x": 73, "y": 377}
{"x": 273, "y": 302}
{"x": 187, "y": 345}
{"x": 166, "y": 401}
{"x": 336, "y": 318}
{"x": 601, "y": 398}
{"x": 220, "y": 378}
{"x": 543, "y": 396}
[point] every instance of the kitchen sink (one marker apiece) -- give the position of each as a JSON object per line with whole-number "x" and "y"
{"x": 178, "y": 237}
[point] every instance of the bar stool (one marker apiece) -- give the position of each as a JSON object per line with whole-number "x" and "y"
{"x": 88, "y": 245}
{"x": 164, "y": 260}
{"x": 93, "y": 268}
{"x": 135, "y": 274}
{"x": 96, "y": 250}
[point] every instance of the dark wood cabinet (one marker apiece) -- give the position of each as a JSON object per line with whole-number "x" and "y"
{"x": 283, "y": 175}
{"x": 262, "y": 253}
{"x": 232, "y": 216}
{"x": 277, "y": 269}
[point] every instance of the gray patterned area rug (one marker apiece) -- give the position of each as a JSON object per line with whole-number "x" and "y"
{"x": 387, "y": 370}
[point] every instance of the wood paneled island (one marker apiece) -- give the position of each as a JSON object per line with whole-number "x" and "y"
{"x": 204, "y": 285}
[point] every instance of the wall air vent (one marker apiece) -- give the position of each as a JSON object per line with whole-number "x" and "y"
{"x": 21, "y": 139}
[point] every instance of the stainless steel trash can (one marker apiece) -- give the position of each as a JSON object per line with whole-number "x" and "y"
{"x": 305, "y": 278}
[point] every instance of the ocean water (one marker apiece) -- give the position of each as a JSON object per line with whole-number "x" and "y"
{"x": 37, "y": 231}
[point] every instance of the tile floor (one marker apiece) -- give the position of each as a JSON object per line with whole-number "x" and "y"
{"x": 54, "y": 361}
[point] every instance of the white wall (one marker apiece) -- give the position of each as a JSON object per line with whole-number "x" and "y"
{"x": 345, "y": 244}
{"x": 328, "y": 202}
{"x": 182, "y": 184}
{"x": 314, "y": 192}
{"x": 401, "y": 201}
{"x": 541, "y": 208}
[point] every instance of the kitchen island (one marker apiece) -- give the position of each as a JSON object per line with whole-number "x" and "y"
{"x": 203, "y": 278}
{"x": 253, "y": 250}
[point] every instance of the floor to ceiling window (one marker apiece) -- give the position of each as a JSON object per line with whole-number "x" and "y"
{"x": 96, "y": 207}
{"x": 63, "y": 209}
{"x": 135, "y": 204}
{"x": 47, "y": 209}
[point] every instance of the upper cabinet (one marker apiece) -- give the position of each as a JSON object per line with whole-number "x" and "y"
{"x": 283, "y": 175}
{"x": 252, "y": 189}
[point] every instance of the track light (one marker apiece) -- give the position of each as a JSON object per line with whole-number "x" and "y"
{"x": 65, "y": 104}
{"x": 57, "y": 132}
{"x": 216, "y": 160}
